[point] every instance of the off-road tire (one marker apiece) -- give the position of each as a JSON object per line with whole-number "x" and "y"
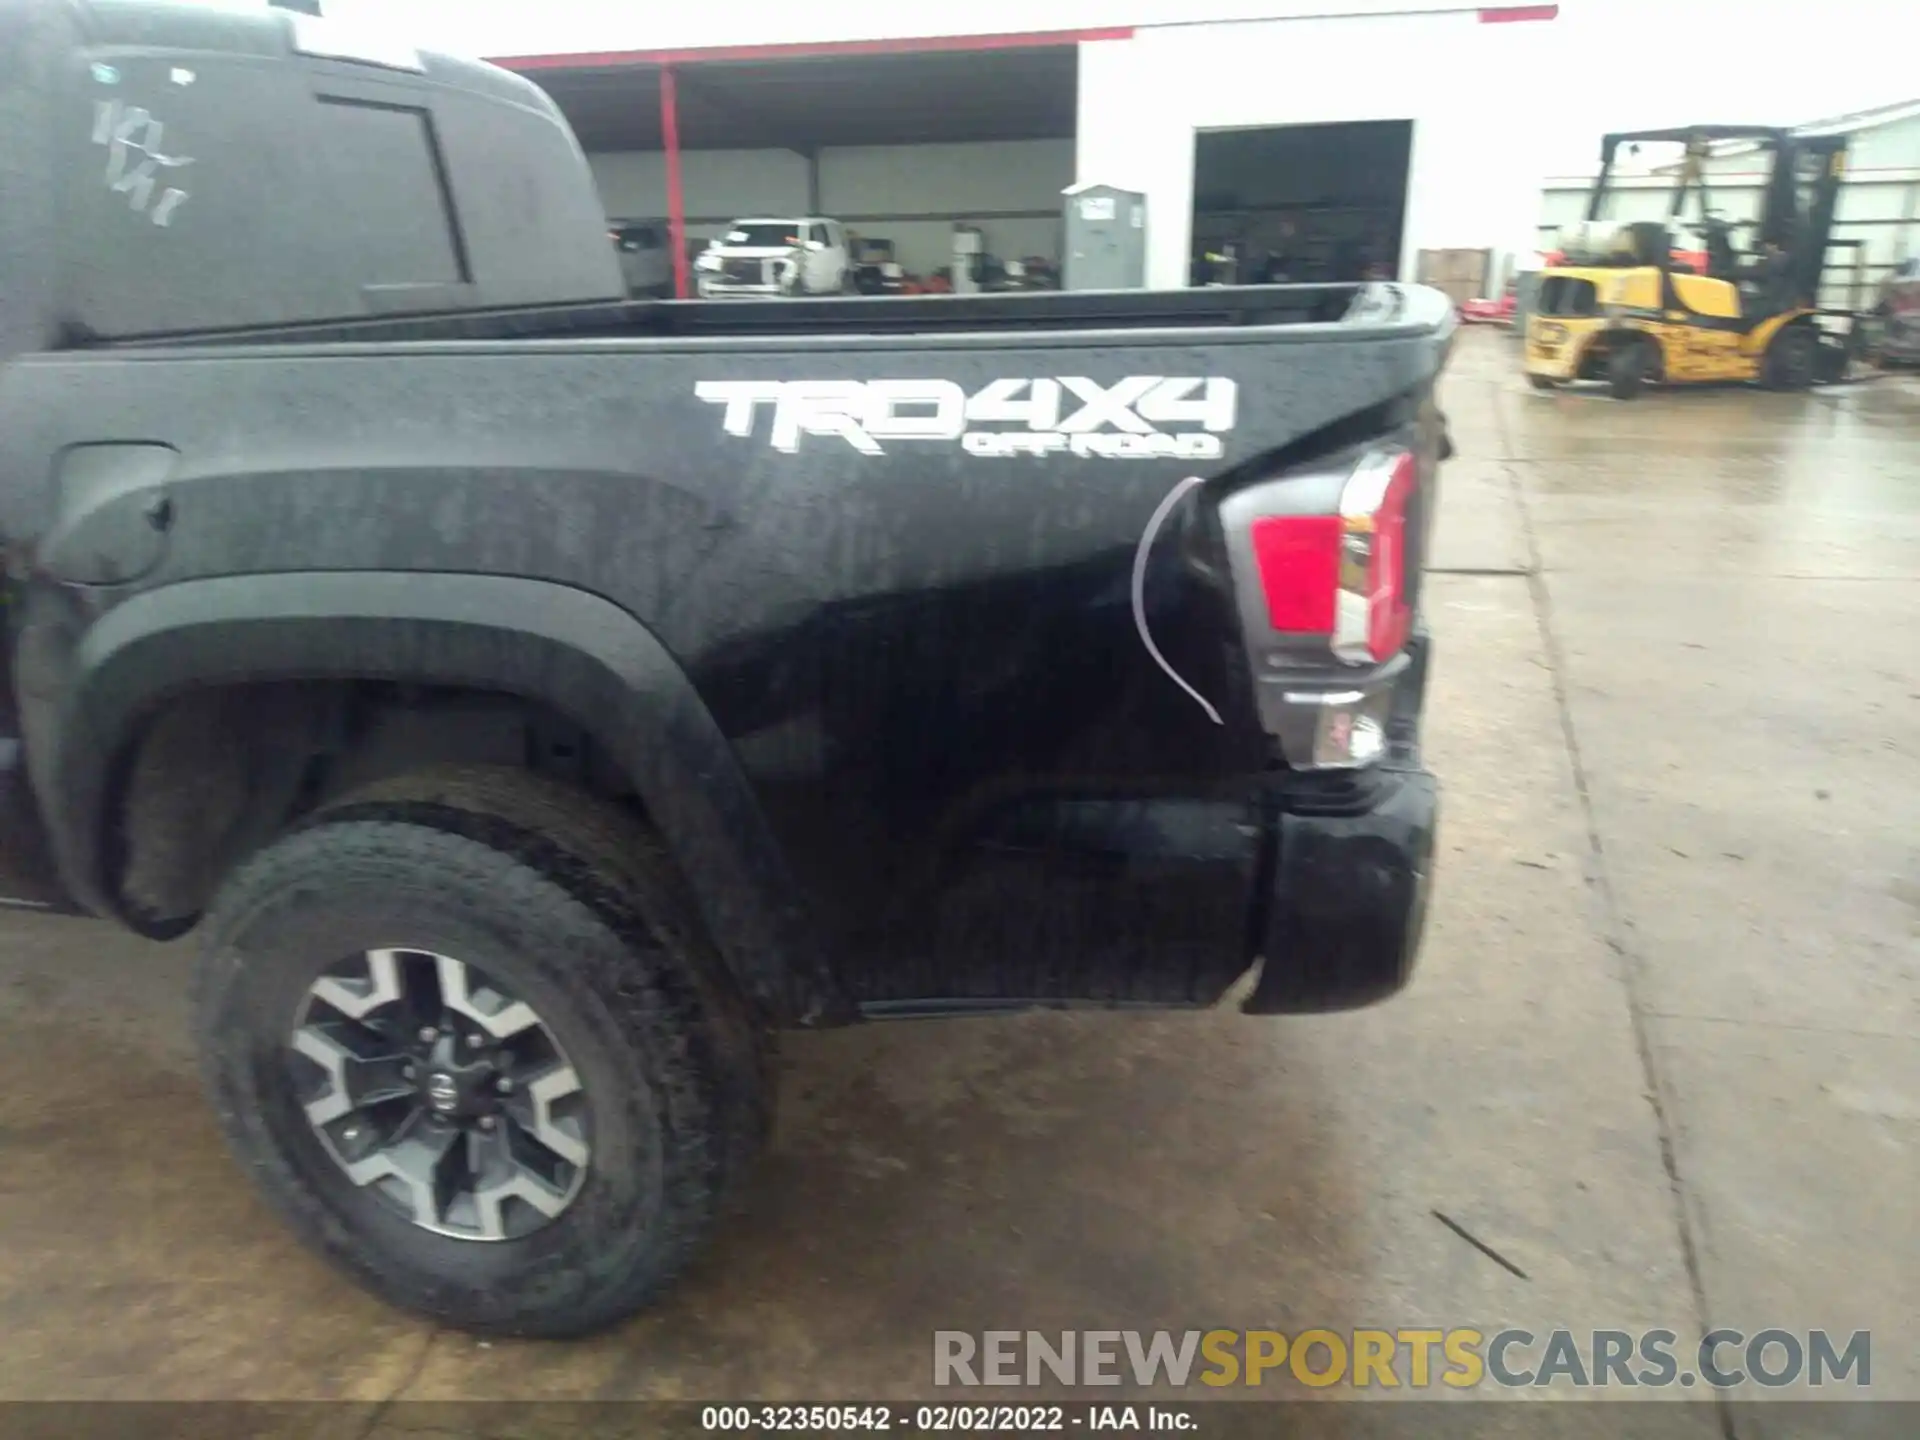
{"x": 1791, "y": 359}
{"x": 547, "y": 892}
{"x": 620, "y": 865}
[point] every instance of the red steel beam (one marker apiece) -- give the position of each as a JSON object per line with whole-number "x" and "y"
{"x": 821, "y": 49}
{"x": 1509, "y": 14}
{"x": 676, "y": 197}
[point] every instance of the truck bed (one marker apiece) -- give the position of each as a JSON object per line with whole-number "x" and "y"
{"x": 920, "y": 647}
{"x": 1384, "y": 308}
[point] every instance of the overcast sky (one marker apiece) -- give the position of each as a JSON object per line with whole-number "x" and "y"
{"x": 1617, "y": 64}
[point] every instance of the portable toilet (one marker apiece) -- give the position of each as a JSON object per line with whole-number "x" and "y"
{"x": 1106, "y": 234}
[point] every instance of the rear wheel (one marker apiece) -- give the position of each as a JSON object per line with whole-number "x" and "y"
{"x": 1627, "y": 371}
{"x": 1791, "y": 359}
{"x": 482, "y": 1072}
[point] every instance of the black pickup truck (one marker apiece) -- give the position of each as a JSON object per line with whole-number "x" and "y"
{"x": 534, "y": 701}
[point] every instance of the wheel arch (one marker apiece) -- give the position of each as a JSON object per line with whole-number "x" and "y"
{"x": 1605, "y": 342}
{"x": 1770, "y": 329}
{"x": 551, "y": 645}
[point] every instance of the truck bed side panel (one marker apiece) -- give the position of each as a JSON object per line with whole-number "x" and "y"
{"x": 926, "y": 658}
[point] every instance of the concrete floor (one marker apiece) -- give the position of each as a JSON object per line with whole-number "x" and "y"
{"x": 1663, "y": 1052}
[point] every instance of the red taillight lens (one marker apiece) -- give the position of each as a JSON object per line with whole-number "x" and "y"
{"x": 1344, "y": 576}
{"x": 1374, "y": 511}
{"x": 1299, "y": 560}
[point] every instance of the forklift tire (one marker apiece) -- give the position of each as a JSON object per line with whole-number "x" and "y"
{"x": 1627, "y": 371}
{"x": 1791, "y": 359}
{"x": 1543, "y": 382}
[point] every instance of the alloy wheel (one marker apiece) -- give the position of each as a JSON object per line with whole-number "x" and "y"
{"x": 441, "y": 1094}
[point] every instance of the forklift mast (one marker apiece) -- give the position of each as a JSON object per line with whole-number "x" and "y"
{"x": 1802, "y": 190}
{"x": 1696, "y": 139}
{"x": 1803, "y": 194}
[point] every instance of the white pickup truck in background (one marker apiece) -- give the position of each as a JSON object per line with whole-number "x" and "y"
{"x": 767, "y": 258}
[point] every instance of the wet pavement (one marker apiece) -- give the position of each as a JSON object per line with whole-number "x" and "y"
{"x": 1662, "y": 1057}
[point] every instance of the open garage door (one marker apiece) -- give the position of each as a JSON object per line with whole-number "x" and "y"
{"x": 1310, "y": 203}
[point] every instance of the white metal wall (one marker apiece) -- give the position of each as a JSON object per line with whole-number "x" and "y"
{"x": 1474, "y": 172}
{"x": 1894, "y": 146}
{"x": 910, "y": 194}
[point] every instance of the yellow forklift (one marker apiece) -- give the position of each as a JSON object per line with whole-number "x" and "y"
{"x": 1629, "y": 304}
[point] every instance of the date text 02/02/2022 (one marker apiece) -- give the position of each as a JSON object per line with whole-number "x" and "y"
{"x": 945, "y": 1419}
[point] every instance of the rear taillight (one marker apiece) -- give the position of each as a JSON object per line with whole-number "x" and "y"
{"x": 1299, "y": 560}
{"x": 1375, "y": 617}
{"x": 1324, "y": 562}
{"x": 1344, "y": 576}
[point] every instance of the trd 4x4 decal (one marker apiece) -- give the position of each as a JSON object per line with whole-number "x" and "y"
{"x": 1067, "y": 415}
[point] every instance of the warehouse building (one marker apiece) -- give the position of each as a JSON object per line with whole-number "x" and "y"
{"x": 1308, "y": 140}
{"x": 1304, "y": 139}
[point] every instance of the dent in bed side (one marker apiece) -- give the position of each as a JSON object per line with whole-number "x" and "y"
{"x": 573, "y": 651}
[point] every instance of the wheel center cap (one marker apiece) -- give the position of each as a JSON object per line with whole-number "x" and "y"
{"x": 443, "y": 1092}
